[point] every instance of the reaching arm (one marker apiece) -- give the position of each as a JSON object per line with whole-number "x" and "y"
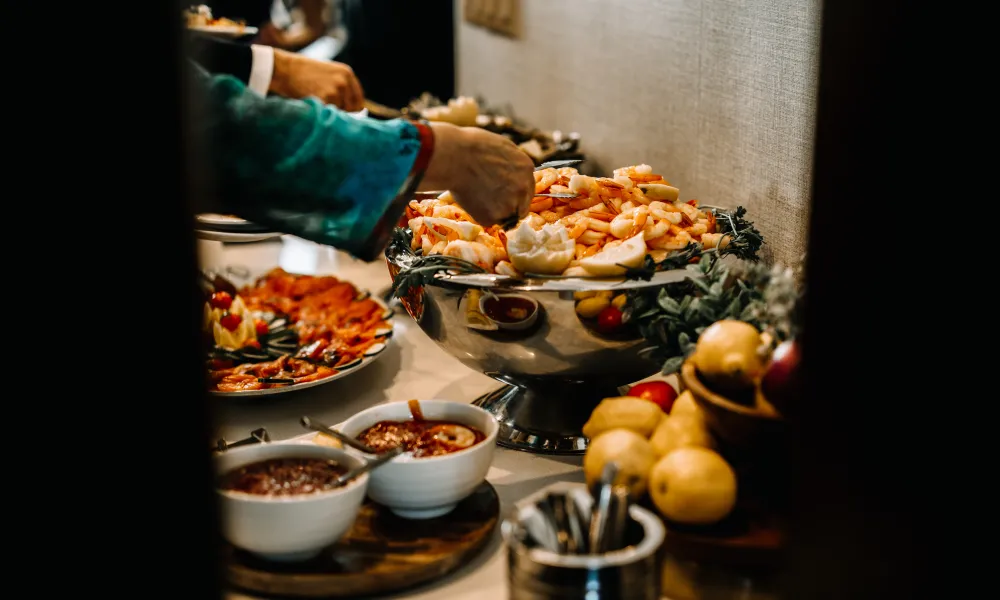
{"x": 253, "y": 65}
{"x": 306, "y": 168}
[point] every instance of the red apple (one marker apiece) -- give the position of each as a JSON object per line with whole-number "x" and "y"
{"x": 660, "y": 393}
{"x": 782, "y": 382}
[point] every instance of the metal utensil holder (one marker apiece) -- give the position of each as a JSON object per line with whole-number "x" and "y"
{"x": 632, "y": 572}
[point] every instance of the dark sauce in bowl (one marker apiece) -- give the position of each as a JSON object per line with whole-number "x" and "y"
{"x": 422, "y": 437}
{"x": 283, "y": 477}
{"x": 508, "y": 309}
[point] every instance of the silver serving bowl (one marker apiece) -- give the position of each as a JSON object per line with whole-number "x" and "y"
{"x": 556, "y": 366}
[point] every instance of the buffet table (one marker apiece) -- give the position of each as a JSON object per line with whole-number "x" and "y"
{"x": 412, "y": 367}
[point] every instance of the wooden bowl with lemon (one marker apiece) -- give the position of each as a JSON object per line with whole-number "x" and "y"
{"x": 724, "y": 375}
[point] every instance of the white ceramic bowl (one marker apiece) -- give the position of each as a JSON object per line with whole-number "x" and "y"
{"x": 424, "y": 488}
{"x": 288, "y": 528}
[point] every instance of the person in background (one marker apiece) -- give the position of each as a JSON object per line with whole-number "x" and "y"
{"x": 271, "y": 18}
{"x": 266, "y": 70}
{"x": 400, "y": 49}
{"x": 311, "y": 170}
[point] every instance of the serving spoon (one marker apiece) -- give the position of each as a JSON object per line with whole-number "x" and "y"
{"x": 376, "y": 462}
{"x": 346, "y": 439}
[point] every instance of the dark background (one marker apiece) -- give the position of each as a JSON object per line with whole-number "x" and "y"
{"x": 113, "y": 482}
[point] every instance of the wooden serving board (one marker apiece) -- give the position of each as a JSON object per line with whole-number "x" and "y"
{"x": 382, "y": 553}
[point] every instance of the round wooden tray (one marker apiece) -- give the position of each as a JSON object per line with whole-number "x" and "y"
{"x": 382, "y": 553}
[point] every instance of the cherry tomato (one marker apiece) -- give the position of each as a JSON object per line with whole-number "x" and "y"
{"x": 260, "y": 326}
{"x": 230, "y": 321}
{"x": 609, "y": 320}
{"x": 660, "y": 393}
{"x": 252, "y": 344}
{"x": 221, "y": 300}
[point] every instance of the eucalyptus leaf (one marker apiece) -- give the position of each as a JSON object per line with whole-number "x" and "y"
{"x": 668, "y": 304}
{"x": 673, "y": 364}
{"x": 702, "y": 285}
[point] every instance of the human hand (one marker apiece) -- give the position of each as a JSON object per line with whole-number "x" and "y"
{"x": 486, "y": 173}
{"x": 297, "y": 76}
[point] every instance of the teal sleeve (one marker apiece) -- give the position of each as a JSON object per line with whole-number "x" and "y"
{"x": 303, "y": 167}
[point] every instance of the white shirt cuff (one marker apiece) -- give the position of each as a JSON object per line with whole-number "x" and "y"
{"x": 261, "y": 68}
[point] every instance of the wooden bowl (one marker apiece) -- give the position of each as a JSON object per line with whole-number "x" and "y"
{"x": 739, "y": 425}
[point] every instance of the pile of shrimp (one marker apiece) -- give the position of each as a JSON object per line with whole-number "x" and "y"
{"x": 605, "y": 212}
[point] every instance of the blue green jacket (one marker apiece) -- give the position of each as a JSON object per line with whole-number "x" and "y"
{"x": 303, "y": 167}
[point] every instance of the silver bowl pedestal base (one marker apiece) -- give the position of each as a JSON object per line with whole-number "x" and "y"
{"x": 545, "y": 417}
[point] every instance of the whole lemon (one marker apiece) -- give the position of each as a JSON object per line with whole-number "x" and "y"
{"x": 632, "y": 452}
{"x": 693, "y": 486}
{"x": 626, "y": 412}
{"x": 677, "y": 431}
{"x": 728, "y": 355}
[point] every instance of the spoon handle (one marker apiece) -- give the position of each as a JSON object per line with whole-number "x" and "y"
{"x": 315, "y": 425}
{"x": 600, "y": 514}
{"x": 376, "y": 462}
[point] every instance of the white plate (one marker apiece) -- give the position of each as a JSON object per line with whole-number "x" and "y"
{"x": 225, "y": 31}
{"x": 373, "y": 354}
{"x": 228, "y": 236}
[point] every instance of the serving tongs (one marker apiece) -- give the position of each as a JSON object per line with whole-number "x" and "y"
{"x": 558, "y": 164}
{"x": 257, "y": 436}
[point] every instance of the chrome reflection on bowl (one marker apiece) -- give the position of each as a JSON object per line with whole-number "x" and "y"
{"x": 556, "y": 370}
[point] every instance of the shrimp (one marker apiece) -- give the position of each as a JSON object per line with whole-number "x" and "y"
{"x": 669, "y": 242}
{"x": 697, "y": 229}
{"x": 543, "y": 179}
{"x": 629, "y": 222}
{"x": 450, "y": 211}
{"x": 710, "y": 221}
{"x": 667, "y": 212}
{"x": 549, "y": 216}
{"x": 639, "y": 196}
{"x": 540, "y": 204}
{"x": 505, "y": 268}
{"x": 715, "y": 240}
{"x": 638, "y": 173}
{"x": 494, "y": 244}
{"x": 655, "y": 229}
{"x": 535, "y": 221}
{"x": 473, "y": 252}
{"x": 579, "y": 228}
{"x": 585, "y": 202}
{"x": 424, "y": 208}
{"x": 591, "y": 237}
{"x": 582, "y": 184}
{"x": 597, "y": 225}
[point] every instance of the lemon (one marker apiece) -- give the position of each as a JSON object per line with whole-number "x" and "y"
{"x": 325, "y": 440}
{"x": 694, "y": 486}
{"x": 625, "y": 412}
{"x": 547, "y": 251}
{"x": 607, "y": 263}
{"x": 686, "y": 406}
{"x": 678, "y": 431}
{"x": 728, "y": 355}
{"x": 631, "y": 451}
